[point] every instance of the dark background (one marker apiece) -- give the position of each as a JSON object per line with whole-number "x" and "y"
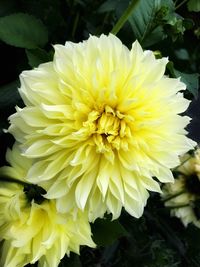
{"x": 156, "y": 239}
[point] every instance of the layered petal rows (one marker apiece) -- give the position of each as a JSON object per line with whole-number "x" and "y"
{"x": 100, "y": 122}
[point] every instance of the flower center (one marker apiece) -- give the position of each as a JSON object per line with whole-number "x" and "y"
{"x": 193, "y": 184}
{"x": 109, "y": 129}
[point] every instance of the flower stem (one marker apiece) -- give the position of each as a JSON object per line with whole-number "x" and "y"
{"x": 178, "y": 206}
{"x": 183, "y": 162}
{"x": 75, "y": 24}
{"x": 12, "y": 180}
{"x": 174, "y": 195}
{"x": 179, "y": 5}
{"x": 124, "y": 16}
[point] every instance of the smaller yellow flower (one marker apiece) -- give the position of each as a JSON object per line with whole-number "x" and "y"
{"x": 31, "y": 227}
{"x": 183, "y": 197}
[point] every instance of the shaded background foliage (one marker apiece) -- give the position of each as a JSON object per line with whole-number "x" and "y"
{"x": 28, "y": 30}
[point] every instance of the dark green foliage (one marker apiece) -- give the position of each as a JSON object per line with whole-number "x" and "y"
{"x": 37, "y": 56}
{"x": 191, "y": 80}
{"x": 142, "y": 18}
{"x": 23, "y": 30}
{"x": 193, "y": 5}
{"x": 105, "y": 232}
{"x": 9, "y": 95}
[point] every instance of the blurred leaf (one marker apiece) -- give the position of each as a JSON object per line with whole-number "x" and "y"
{"x": 37, "y": 56}
{"x": 172, "y": 21}
{"x": 105, "y": 232}
{"x": 80, "y": 2}
{"x": 182, "y": 54}
{"x": 154, "y": 37}
{"x": 108, "y": 6}
{"x": 194, "y": 5}
{"x": 168, "y": 3}
{"x": 188, "y": 24}
{"x": 9, "y": 95}
{"x": 173, "y": 24}
{"x": 72, "y": 261}
{"x": 23, "y": 30}
{"x": 50, "y": 12}
{"x": 165, "y": 10}
{"x": 175, "y": 27}
{"x": 109, "y": 252}
{"x": 142, "y": 18}
{"x": 162, "y": 255}
{"x": 197, "y": 32}
{"x": 167, "y": 231}
{"x": 191, "y": 81}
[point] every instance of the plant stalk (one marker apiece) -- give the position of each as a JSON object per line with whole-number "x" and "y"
{"x": 174, "y": 195}
{"x": 124, "y": 17}
{"x": 179, "y": 5}
{"x": 178, "y": 206}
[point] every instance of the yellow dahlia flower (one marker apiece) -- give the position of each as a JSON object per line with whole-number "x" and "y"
{"x": 183, "y": 197}
{"x": 33, "y": 230}
{"x": 100, "y": 121}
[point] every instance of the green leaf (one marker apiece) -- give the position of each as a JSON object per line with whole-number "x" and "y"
{"x": 105, "y": 232}
{"x": 194, "y": 5}
{"x": 141, "y": 19}
{"x": 154, "y": 37}
{"x": 191, "y": 236}
{"x": 37, "y": 56}
{"x": 191, "y": 81}
{"x": 188, "y": 24}
{"x": 108, "y": 6}
{"x": 9, "y": 95}
{"x": 23, "y": 30}
{"x": 182, "y": 54}
{"x": 168, "y": 3}
{"x": 173, "y": 24}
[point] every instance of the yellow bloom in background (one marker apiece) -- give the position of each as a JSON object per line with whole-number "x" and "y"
{"x": 100, "y": 121}
{"x": 184, "y": 194}
{"x": 33, "y": 230}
